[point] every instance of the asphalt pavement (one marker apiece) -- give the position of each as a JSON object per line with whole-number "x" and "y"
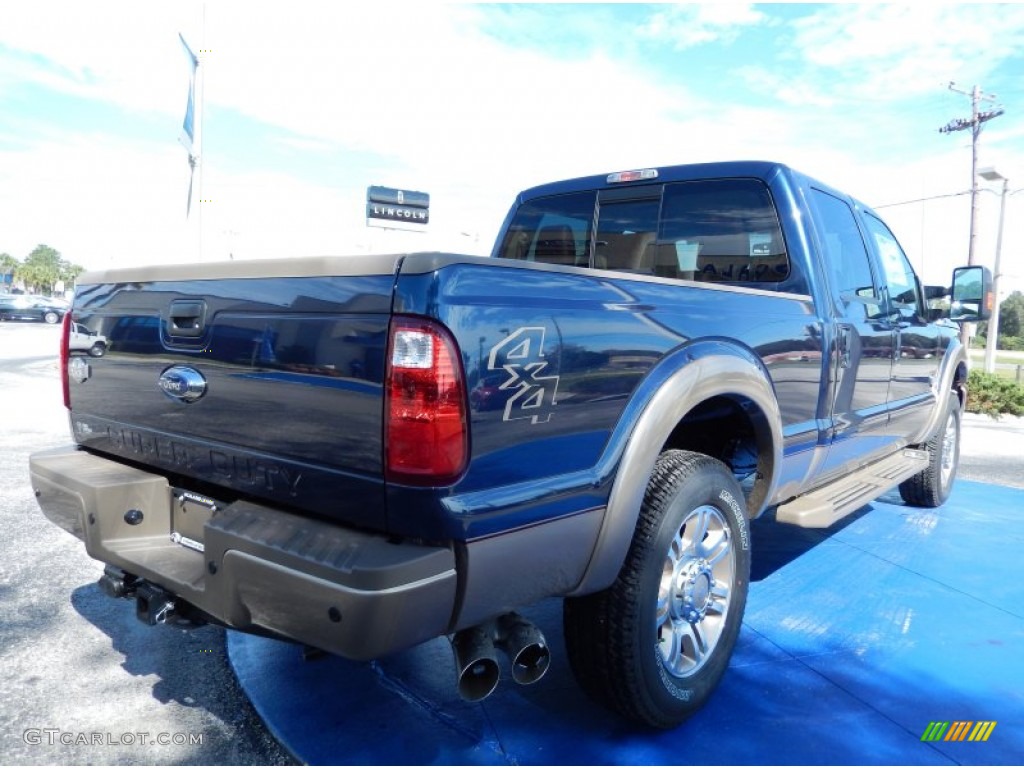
{"x": 83, "y": 682}
{"x": 992, "y": 451}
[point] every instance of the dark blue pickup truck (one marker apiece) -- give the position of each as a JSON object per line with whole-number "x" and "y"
{"x": 364, "y": 453}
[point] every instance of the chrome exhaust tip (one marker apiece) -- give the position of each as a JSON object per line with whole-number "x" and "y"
{"x": 525, "y": 646}
{"x": 476, "y": 663}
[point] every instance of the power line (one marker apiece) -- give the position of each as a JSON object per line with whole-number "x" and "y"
{"x": 923, "y": 199}
{"x": 940, "y": 197}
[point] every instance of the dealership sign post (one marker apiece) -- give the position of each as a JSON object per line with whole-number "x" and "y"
{"x": 397, "y": 209}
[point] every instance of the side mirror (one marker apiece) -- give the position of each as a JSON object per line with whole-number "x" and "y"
{"x": 972, "y": 297}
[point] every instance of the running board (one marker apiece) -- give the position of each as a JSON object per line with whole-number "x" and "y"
{"x": 832, "y": 502}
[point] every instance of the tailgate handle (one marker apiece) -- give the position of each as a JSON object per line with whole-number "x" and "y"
{"x": 188, "y": 317}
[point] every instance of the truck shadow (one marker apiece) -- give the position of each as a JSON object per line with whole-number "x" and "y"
{"x": 188, "y": 667}
{"x": 775, "y": 545}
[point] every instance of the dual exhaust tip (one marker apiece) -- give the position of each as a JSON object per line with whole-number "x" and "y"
{"x": 476, "y": 657}
{"x": 476, "y": 648}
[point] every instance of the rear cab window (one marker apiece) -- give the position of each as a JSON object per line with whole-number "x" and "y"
{"x": 717, "y": 231}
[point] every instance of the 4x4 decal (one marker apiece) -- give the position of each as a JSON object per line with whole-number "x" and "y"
{"x": 521, "y": 356}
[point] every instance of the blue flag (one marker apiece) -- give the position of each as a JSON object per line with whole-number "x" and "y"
{"x": 188, "y": 132}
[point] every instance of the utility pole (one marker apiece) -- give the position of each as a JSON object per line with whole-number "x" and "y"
{"x": 974, "y": 123}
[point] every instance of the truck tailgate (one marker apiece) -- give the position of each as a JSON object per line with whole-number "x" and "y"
{"x": 261, "y": 379}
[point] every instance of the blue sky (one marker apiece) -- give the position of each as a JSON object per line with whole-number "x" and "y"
{"x": 308, "y": 103}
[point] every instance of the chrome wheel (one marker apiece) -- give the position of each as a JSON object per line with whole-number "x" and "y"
{"x": 932, "y": 485}
{"x": 693, "y": 598}
{"x": 680, "y": 593}
{"x": 949, "y": 446}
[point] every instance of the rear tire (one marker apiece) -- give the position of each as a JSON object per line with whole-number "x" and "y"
{"x": 654, "y": 645}
{"x": 932, "y": 485}
{"x": 50, "y": 318}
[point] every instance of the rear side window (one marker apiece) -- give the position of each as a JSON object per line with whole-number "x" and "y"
{"x": 721, "y": 231}
{"x": 845, "y": 252}
{"x": 552, "y": 230}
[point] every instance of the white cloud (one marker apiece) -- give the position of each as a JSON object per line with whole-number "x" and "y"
{"x": 419, "y": 86}
{"x": 690, "y": 25}
{"x": 786, "y": 89}
{"x": 886, "y": 51}
{"x": 125, "y": 53}
{"x": 97, "y": 201}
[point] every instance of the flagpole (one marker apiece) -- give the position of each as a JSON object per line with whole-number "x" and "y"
{"x": 190, "y": 137}
{"x": 202, "y": 132}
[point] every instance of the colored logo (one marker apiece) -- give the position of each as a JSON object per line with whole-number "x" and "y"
{"x": 959, "y": 730}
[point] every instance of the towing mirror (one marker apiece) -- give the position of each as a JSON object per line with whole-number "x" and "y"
{"x": 972, "y": 297}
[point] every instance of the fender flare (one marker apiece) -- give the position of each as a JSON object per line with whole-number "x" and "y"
{"x": 955, "y": 356}
{"x": 685, "y": 378}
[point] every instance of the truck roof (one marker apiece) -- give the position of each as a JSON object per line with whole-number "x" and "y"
{"x": 760, "y": 169}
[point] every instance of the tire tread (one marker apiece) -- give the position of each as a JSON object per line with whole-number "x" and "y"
{"x": 601, "y": 629}
{"x": 925, "y": 488}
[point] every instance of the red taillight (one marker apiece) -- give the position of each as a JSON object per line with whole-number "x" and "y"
{"x": 426, "y": 439}
{"x": 65, "y": 334}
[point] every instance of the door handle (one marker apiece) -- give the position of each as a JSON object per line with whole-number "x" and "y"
{"x": 844, "y": 346}
{"x": 187, "y": 318}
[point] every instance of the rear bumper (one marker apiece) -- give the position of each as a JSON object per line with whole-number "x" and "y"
{"x": 351, "y": 593}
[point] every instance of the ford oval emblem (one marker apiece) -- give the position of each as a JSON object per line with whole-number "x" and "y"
{"x": 182, "y": 383}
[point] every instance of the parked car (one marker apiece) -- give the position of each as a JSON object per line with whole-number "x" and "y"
{"x": 27, "y": 307}
{"x": 81, "y": 339}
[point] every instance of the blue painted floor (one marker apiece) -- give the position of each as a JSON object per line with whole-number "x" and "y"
{"x": 854, "y": 640}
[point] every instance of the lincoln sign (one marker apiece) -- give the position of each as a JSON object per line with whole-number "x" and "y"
{"x": 396, "y": 208}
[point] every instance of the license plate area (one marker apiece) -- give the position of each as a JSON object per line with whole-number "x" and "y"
{"x": 189, "y": 514}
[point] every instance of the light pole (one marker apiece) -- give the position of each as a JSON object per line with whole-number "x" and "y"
{"x": 991, "y": 174}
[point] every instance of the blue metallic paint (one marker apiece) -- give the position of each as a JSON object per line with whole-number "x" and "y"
{"x": 294, "y": 370}
{"x": 607, "y": 336}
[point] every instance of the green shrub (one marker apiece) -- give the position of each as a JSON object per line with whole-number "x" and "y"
{"x": 989, "y": 394}
{"x": 1011, "y": 343}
